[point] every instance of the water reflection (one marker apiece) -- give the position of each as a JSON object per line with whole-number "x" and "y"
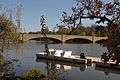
{"x": 54, "y": 70}
{"x": 7, "y": 67}
{"x": 107, "y": 71}
{"x": 27, "y": 55}
{"x": 64, "y": 65}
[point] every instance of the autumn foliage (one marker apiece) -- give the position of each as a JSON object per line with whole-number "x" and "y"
{"x": 107, "y": 12}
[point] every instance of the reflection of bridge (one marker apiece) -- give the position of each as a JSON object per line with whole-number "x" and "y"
{"x": 60, "y": 38}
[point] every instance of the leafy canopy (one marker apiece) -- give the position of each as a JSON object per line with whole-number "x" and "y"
{"x": 108, "y": 12}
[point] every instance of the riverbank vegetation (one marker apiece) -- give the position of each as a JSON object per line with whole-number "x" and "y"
{"x": 34, "y": 74}
{"x": 82, "y": 31}
{"x": 9, "y": 36}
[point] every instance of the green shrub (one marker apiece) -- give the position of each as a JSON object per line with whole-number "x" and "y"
{"x": 34, "y": 74}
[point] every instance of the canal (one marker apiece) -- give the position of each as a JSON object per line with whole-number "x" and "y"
{"x": 27, "y": 56}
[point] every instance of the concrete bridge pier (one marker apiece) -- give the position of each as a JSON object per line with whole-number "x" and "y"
{"x": 94, "y": 42}
{"x": 63, "y": 42}
{"x": 23, "y": 38}
{"x": 93, "y": 39}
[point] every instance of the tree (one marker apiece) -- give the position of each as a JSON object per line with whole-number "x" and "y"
{"x": 43, "y": 30}
{"x": 9, "y": 37}
{"x": 107, "y": 12}
{"x": 34, "y": 74}
{"x": 9, "y": 34}
{"x": 18, "y": 15}
{"x": 47, "y": 30}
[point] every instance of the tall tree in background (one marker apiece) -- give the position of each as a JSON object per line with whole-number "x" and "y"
{"x": 43, "y": 30}
{"x": 18, "y": 15}
{"x": 8, "y": 29}
{"x": 108, "y": 13}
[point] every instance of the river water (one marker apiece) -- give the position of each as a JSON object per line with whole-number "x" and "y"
{"x": 27, "y": 56}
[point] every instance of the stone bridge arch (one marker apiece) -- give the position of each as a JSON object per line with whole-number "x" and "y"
{"x": 69, "y": 37}
{"x": 100, "y": 38}
{"x": 96, "y": 39}
{"x": 63, "y": 39}
{"x": 27, "y": 37}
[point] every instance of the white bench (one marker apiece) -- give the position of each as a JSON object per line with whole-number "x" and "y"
{"x": 51, "y": 50}
{"x": 58, "y": 52}
{"x": 67, "y": 54}
{"x": 42, "y": 53}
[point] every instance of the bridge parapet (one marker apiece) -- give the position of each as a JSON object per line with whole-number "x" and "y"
{"x": 63, "y": 39}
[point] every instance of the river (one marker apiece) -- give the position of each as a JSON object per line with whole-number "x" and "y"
{"x": 27, "y": 56}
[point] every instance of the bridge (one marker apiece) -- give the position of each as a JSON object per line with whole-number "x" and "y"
{"x": 62, "y": 39}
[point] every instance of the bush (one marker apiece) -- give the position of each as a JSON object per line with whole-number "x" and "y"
{"x": 34, "y": 74}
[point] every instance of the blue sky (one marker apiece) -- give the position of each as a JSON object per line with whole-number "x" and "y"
{"x": 33, "y": 9}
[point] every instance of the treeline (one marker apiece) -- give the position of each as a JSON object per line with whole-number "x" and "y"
{"x": 82, "y": 31}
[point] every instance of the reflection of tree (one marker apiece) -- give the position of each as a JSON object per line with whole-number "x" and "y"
{"x": 7, "y": 66}
{"x": 107, "y": 71}
{"x": 82, "y": 67}
{"x": 54, "y": 73}
{"x": 63, "y": 66}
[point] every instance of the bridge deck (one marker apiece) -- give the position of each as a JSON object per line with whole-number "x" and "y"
{"x": 63, "y": 39}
